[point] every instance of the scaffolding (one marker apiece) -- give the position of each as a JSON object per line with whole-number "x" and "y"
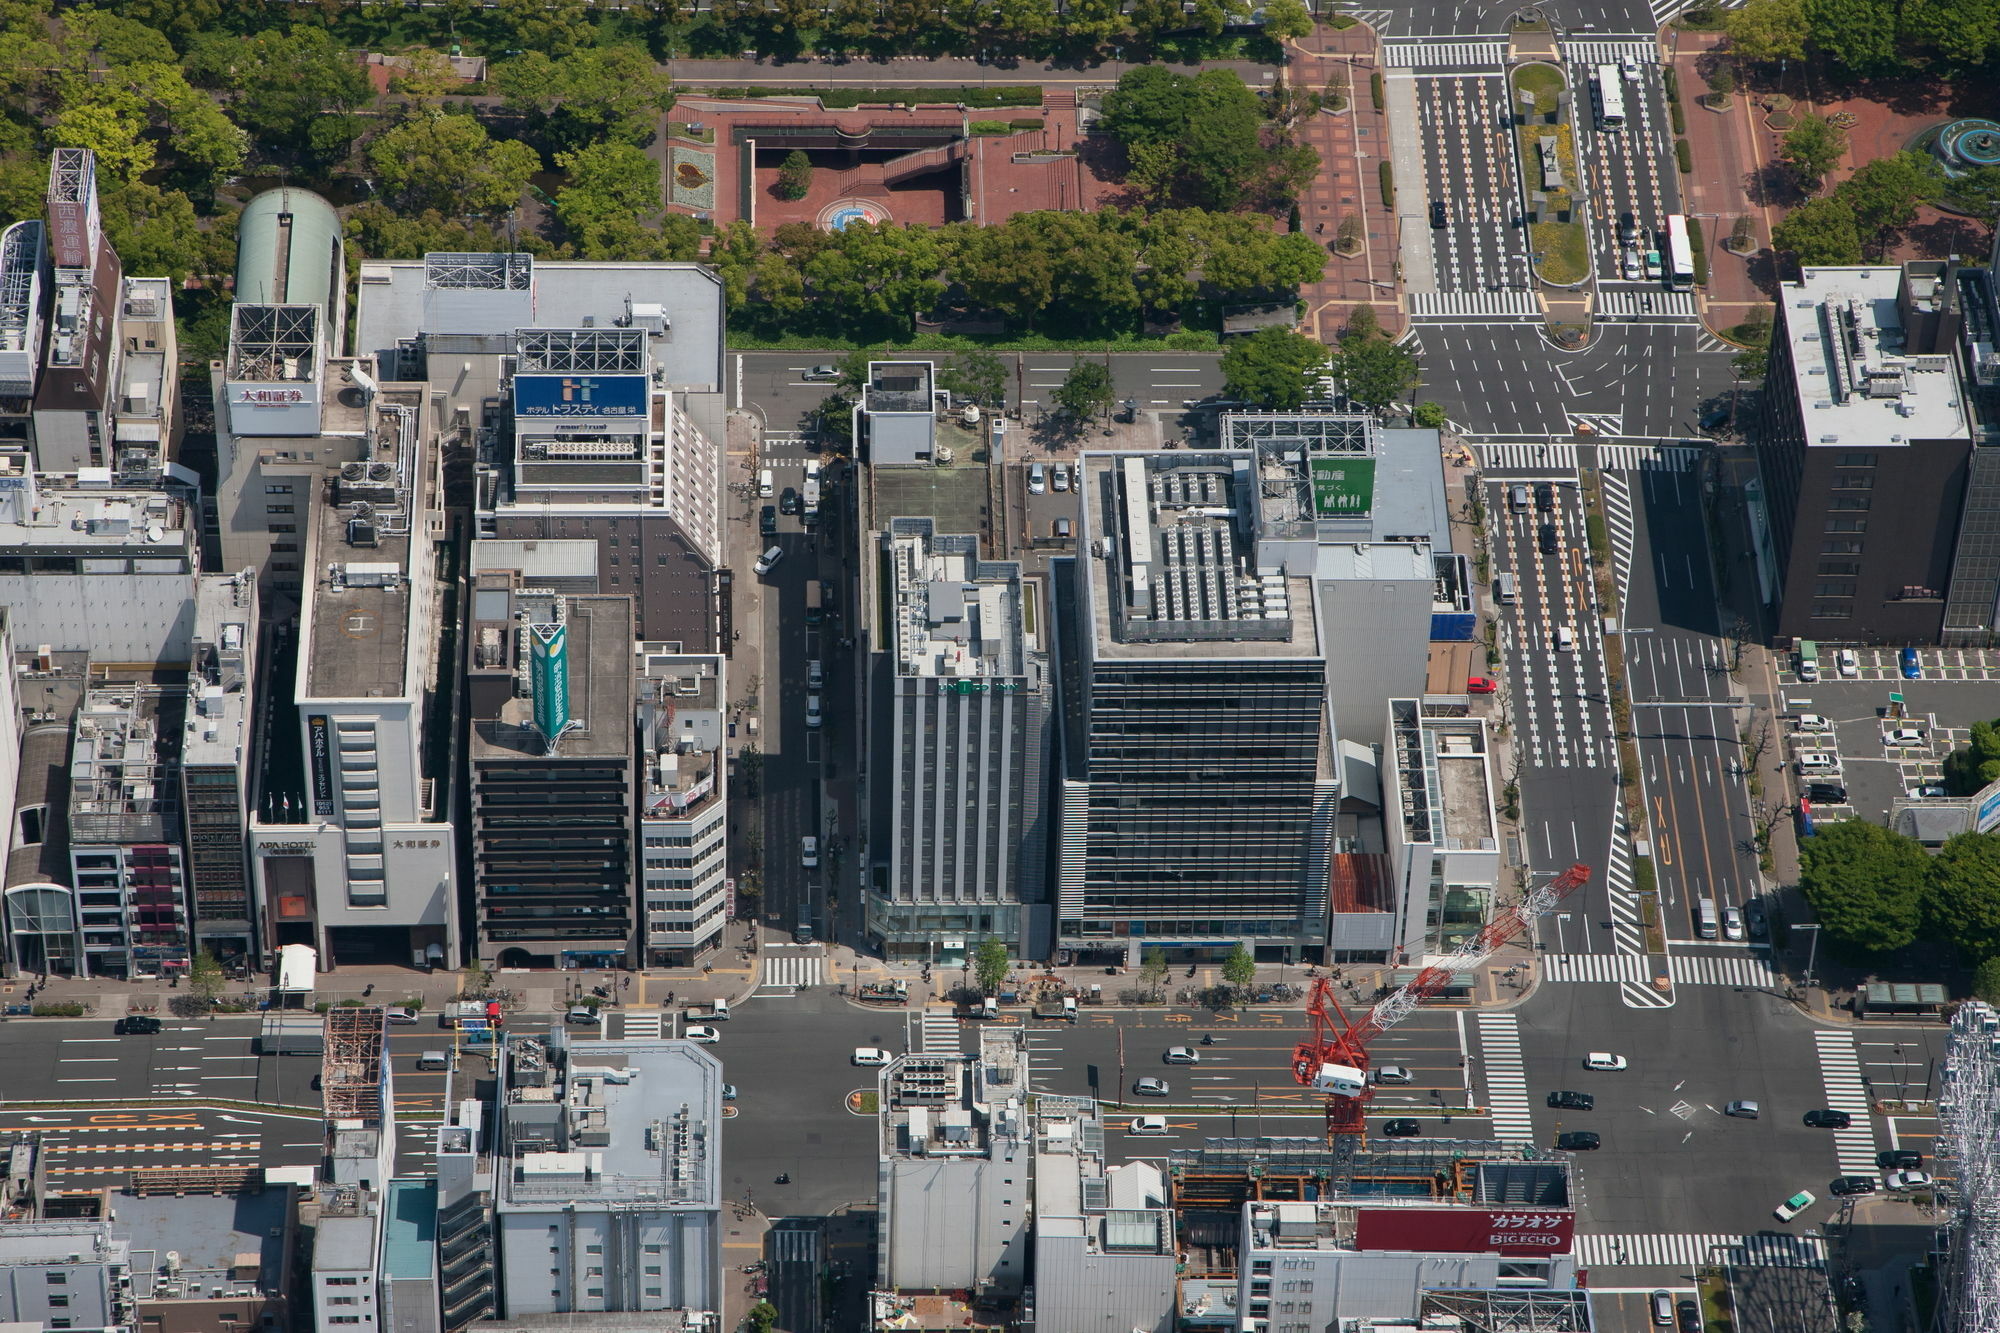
{"x": 1481, "y": 1311}
{"x": 351, "y": 1069}
{"x": 21, "y": 253}
{"x": 478, "y": 272}
{"x": 581, "y": 352}
{"x": 1969, "y": 1112}
{"x": 274, "y": 343}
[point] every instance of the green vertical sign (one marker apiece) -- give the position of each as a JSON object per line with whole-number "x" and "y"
{"x": 548, "y": 677}
{"x": 1343, "y": 487}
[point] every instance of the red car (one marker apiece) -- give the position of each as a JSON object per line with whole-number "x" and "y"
{"x": 1481, "y": 685}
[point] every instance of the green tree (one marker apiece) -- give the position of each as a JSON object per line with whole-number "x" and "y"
{"x": 1085, "y": 392}
{"x": 448, "y": 162}
{"x": 376, "y": 231}
{"x": 980, "y": 376}
{"x": 1986, "y": 981}
{"x": 1196, "y": 139}
{"x": 1286, "y": 18}
{"x": 1240, "y": 968}
{"x": 1429, "y": 414}
{"x": 1857, "y": 36}
{"x": 1865, "y": 883}
{"x": 1273, "y": 368}
{"x": 611, "y": 92}
{"x": 795, "y": 175}
{"x": 427, "y": 75}
{"x": 1153, "y": 967}
{"x": 558, "y": 27}
{"x": 1375, "y": 371}
{"x": 1819, "y": 232}
{"x": 206, "y": 978}
{"x": 1963, "y": 33}
{"x": 1962, "y": 906}
{"x": 113, "y": 133}
{"x": 1969, "y": 769}
{"x": 1812, "y": 148}
{"x": 990, "y": 964}
{"x": 611, "y": 194}
{"x": 1767, "y": 31}
{"x": 1978, "y": 191}
{"x": 156, "y": 231}
{"x": 279, "y": 84}
{"x": 1884, "y": 194}
{"x": 181, "y": 20}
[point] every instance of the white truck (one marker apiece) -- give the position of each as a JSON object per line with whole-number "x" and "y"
{"x": 812, "y": 490}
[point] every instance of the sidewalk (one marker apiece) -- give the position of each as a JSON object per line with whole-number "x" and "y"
{"x": 1351, "y": 145}
{"x": 920, "y": 71}
{"x": 1732, "y": 153}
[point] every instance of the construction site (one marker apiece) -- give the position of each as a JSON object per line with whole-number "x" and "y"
{"x": 351, "y": 1068}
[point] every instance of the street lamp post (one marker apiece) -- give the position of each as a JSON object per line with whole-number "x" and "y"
{"x": 1812, "y": 954}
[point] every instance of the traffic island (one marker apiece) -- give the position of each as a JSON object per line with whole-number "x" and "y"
{"x": 1550, "y": 184}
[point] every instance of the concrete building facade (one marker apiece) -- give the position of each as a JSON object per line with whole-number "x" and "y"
{"x": 960, "y": 744}
{"x": 217, "y": 755}
{"x": 125, "y": 852}
{"x": 1437, "y": 806}
{"x": 684, "y": 810}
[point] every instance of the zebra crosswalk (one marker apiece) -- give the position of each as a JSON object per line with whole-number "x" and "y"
{"x": 1647, "y": 302}
{"x": 1725, "y": 969}
{"x": 1441, "y": 55}
{"x": 1559, "y": 456}
{"x": 1618, "y": 518}
{"x": 787, "y": 965}
{"x": 1696, "y": 1250}
{"x": 1475, "y": 305}
{"x": 642, "y": 1024}
{"x": 1599, "y": 52}
{"x": 1381, "y": 20}
{"x": 794, "y": 1245}
{"x": 937, "y": 1032}
{"x": 1685, "y": 969}
{"x": 1506, "y": 1079}
{"x": 1840, "y": 1071}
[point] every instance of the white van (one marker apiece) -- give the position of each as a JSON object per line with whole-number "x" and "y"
{"x": 1506, "y": 589}
{"x": 1037, "y": 479}
{"x": 767, "y": 485}
{"x": 1517, "y": 499}
{"x": 1818, "y": 761}
{"x": 815, "y": 675}
{"x": 434, "y": 1060}
{"x": 1704, "y": 918}
{"x": 1565, "y": 638}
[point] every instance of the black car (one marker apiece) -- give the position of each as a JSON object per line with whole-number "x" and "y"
{"x": 1402, "y": 1129}
{"x": 1715, "y": 418}
{"x": 1689, "y": 1316}
{"x": 1853, "y": 1185}
{"x": 1754, "y": 919}
{"x": 1827, "y": 793}
{"x": 1545, "y": 497}
{"x": 789, "y": 501}
{"x": 1628, "y": 228}
{"x": 1438, "y": 216}
{"x": 137, "y": 1026}
{"x": 1899, "y": 1159}
{"x": 1572, "y": 1101}
{"x": 1827, "y": 1120}
{"x": 1545, "y": 538}
{"x": 767, "y": 521}
{"x": 1578, "y": 1140}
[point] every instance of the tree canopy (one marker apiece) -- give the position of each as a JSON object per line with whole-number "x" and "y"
{"x": 1201, "y": 140}
{"x": 1273, "y": 368}
{"x": 1865, "y": 883}
{"x": 1963, "y": 905}
{"x": 1085, "y": 392}
{"x": 284, "y": 86}
{"x": 1812, "y": 148}
{"x": 1819, "y": 232}
{"x": 611, "y": 92}
{"x": 450, "y": 163}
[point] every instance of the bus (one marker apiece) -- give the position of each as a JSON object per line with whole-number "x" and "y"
{"x": 1680, "y": 255}
{"x": 1609, "y": 86}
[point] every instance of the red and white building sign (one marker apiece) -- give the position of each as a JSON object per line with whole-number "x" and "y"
{"x": 1505, "y": 1231}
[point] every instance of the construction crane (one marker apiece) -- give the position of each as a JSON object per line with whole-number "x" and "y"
{"x": 1335, "y": 1060}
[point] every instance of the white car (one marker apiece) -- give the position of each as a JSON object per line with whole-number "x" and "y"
{"x": 1793, "y": 1206}
{"x": 1182, "y": 1055}
{"x": 1604, "y": 1060}
{"x": 1903, "y": 736}
{"x": 870, "y": 1055}
{"x": 1148, "y": 1125}
{"x": 1630, "y": 67}
{"x": 706, "y": 1036}
{"x": 1908, "y": 1180}
{"x": 1060, "y": 477}
{"x": 1849, "y": 664}
{"x": 809, "y": 852}
{"x": 813, "y": 715}
{"x": 1732, "y": 924}
{"x": 1813, "y": 722}
{"x": 1927, "y": 793}
{"x": 769, "y": 560}
{"x": 815, "y": 675}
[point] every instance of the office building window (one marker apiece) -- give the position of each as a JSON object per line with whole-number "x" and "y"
{"x": 58, "y": 1299}
{"x": 284, "y": 527}
{"x": 1847, "y": 525}
{"x": 1856, "y": 460}
{"x": 1834, "y": 590}
{"x": 1833, "y": 611}
{"x": 1842, "y": 501}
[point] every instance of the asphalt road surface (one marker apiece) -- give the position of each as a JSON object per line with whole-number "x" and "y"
{"x": 1481, "y": 246}
{"x": 1631, "y": 168}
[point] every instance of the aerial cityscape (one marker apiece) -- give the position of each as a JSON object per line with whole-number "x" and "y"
{"x": 1039, "y": 666}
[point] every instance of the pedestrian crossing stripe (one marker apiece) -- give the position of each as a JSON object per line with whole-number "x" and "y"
{"x": 1645, "y": 303}
{"x": 643, "y": 1024}
{"x": 1840, "y": 1071}
{"x": 1447, "y": 305}
{"x": 1708, "y": 342}
{"x": 938, "y": 1032}
{"x": 1610, "y": 53}
{"x": 1506, "y": 1078}
{"x": 1696, "y": 1250}
{"x": 1685, "y": 969}
{"x": 1600, "y": 423}
{"x": 1431, "y": 54}
{"x": 1560, "y": 456}
{"x": 1605, "y": 967}
{"x": 793, "y": 969}
{"x": 796, "y": 1245}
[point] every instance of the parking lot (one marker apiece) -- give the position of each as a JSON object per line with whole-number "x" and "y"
{"x": 1958, "y": 687}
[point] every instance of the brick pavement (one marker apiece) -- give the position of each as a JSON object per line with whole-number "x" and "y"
{"x": 1732, "y": 155}
{"x": 1351, "y": 144}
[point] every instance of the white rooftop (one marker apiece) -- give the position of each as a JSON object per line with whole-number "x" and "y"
{"x": 1856, "y": 385}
